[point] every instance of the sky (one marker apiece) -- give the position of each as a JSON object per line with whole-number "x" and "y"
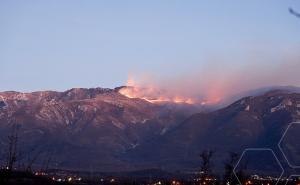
{"x": 57, "y": 45}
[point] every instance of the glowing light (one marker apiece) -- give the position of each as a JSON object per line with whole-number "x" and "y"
{"x": 248, "y": 182}
{"x": 70, "y": 179}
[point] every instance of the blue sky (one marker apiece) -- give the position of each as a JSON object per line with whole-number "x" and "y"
{"x": 62, "y": 44}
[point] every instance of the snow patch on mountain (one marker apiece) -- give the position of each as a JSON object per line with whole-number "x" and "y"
{"x": 285, "y": 103}
{"x": 247, "y": 108}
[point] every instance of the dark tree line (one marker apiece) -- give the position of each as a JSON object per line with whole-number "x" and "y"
{"x": 229, "y": 178}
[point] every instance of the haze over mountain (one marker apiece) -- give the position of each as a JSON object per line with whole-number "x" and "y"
{"x": 101, "y": 129}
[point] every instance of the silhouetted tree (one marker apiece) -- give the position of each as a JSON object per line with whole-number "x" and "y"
{"x": 206, "y": 165}
{"x": 47, "y": 159}
{"x": 229, "y": 177}
{"x": 32, "y": 159}
{"x": 241, "y": 172}
{"x": 12, "y": 151}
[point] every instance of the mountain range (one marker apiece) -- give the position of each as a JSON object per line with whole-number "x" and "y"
{"x": 101, "y": 129}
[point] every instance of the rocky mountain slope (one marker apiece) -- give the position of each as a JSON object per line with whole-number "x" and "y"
{"x": 100, "y": 129}
{"x": 255, "y": 121}
{"x": 83, "y": 128}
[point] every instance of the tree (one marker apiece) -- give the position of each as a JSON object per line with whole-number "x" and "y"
{"x": 229, "y": 177}
{"x": 47, "y": 159}
{"x": 32, "y": 159}
{"x": 12, "y": 147}
{"x": 206, "y": 165}
{"x": 241, "y": 172}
